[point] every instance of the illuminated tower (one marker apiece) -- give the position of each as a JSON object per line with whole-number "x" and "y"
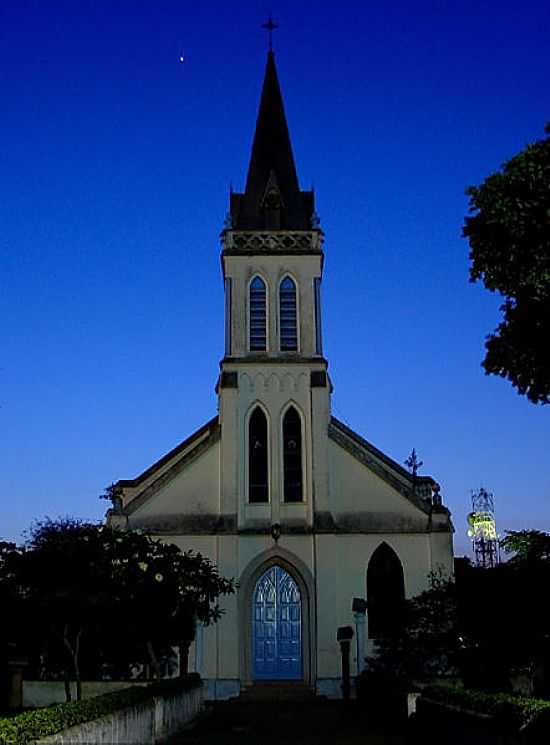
{"x": 482, "y": 529}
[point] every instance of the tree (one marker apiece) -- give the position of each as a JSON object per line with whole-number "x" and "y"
{"x": 428, "y": 642}
{"x": 12, "y": 617}
{"x": 83, "y": 580}
{"x": 485, "y": 625}
{"x": 64, "y": 574}
{"x": 528, "y": 546}
{"x": 509, "y": 236}
{"x": 9, "y": 596}
{"x": 160, "y": 592}
{"x": 503, "y": 617}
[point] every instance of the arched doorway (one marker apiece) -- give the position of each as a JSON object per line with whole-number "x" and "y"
{"x": 276, "y": 627}
{"x": 385, "y": 593}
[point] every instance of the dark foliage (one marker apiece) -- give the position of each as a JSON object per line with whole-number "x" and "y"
{"x": 504, "y": 621}
{"x": 487, "y": 626}
{"x": 510, "y": 711}
{"x": 427, "y": 643}
{"x": 98, "y": 598}
{"x": 528, "y": 546}
{"x": 509, "y": 236}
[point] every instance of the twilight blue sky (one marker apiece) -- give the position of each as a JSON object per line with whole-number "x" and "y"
{"x": 115, "y": 167}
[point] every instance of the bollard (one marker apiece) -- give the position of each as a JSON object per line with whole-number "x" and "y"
{"x": 344, "y": 635}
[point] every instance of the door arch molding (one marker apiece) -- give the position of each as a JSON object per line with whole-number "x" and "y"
{"x": 300, "y": 573}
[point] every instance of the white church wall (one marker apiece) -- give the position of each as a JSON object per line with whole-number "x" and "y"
{"x": 354, "y": 488}
{"x": 161, "y": 470}
{"x": 229, "y": 450}
{"x": 441, "y": 547}
{"x": 320, "y": 405}
{"x": 332, "y": 590}
{"x": 228, "y": 632}
{"x": 195, "y": 490}
{"x": 341, "y": 566}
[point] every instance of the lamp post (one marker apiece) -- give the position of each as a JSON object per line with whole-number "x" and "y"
{"x": 344, "y": 635}
{"x": 359, "y": 608}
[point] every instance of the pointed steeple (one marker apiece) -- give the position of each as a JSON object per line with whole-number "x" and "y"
{"x": 272, "y": 198}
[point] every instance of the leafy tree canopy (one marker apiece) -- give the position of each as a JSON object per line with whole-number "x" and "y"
{"x": 87, "y": 583}
{"x": 486, "y": 625}
{"x": 528, "y": 546}
{"x": 12, "y": 623}
{"x": 509, "y": 236}
{"x": 427, "y": 643}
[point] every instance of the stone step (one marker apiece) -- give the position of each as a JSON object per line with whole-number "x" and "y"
{"x": 277, "y": 691}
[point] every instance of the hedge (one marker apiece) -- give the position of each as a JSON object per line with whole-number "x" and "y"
{"x": 505, "y": 708}
{"x": 33, "y": 725}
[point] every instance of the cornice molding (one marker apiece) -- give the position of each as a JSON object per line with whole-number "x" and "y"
{"x": 324, "y": 523}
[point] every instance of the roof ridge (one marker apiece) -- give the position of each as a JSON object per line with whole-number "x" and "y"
{"x": 211, "y": 425}
{"x": 360, "y": 440}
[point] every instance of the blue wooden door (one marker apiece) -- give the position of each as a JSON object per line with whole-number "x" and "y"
{"x": 277, "y": 627}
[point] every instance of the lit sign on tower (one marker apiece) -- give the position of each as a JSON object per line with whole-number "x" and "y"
{"x": 482, "y": 528}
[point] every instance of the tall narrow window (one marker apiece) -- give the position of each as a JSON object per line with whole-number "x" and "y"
{"x": 287, "y": 315}
{"x": 292, "y": 456}
{"x": 258, "y": 315}
{"x": 385, "y": 593}
{"x": 257, "y": 457}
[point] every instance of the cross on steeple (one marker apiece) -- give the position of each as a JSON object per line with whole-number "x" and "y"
{"x": 270, "y": 25}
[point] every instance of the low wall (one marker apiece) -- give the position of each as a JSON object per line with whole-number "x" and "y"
{"x": 38, "y": 693}
{"x": 135, "y": 725}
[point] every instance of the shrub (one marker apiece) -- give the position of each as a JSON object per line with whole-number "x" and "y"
{"x": 381, "y": 695}
{"x": 506, "y": 709}
{"x": 33, "y": 725}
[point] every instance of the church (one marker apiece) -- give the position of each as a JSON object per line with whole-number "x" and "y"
{"x": 313, "y": 521}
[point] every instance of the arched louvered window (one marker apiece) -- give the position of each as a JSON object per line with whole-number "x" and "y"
{"x": 257, "y": 457}
{"x": 287, "y": 315}
{"x": 258, "y": 315}
{"x": 385, "y": 593}
{"x": 292, "y": 456}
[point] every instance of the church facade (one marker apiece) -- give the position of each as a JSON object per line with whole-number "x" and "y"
{"x": 303, "y": 512}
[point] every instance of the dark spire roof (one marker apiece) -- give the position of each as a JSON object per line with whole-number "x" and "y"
{"x": 272, "y": 198}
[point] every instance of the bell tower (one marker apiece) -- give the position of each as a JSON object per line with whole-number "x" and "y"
{"x": 274, "y": 389}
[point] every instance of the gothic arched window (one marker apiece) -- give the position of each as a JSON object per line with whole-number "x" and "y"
{"x": 292, "y": 456}
{"x": 258, "y": 490}
{"x": 288, "y": 316}
{"x": 258, "y": 315}
{"x": 385, "y": 593}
